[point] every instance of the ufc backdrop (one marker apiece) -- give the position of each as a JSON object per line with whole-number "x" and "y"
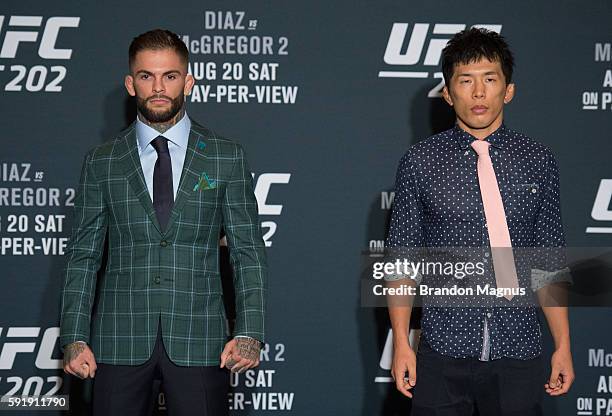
{"x": 325, "y": 97}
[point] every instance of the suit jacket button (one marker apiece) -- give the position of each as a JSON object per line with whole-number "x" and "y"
{"x": 163, "y": 243}
{"x": 156, "y": 279}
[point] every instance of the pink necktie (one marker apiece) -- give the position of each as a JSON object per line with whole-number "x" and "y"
{"x": 499, "y": 236}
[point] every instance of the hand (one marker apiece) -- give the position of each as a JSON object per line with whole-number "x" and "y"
{"x": 79, "y": 360}
{"x": 403, "y": 369}
{"x": 561, "y": 374}
{"x": 240, "y": 354}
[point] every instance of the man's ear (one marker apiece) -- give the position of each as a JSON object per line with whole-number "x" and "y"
{"x": 510, "y": 89}
{"x": 446, "y": 95}
{"x": 129, "y": 85}
{"x": 189, "y": 81}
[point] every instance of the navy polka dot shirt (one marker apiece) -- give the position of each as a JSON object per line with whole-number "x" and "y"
{"x": 438, "y": 204}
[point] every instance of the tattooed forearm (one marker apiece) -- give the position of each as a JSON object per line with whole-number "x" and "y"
{"x": 165, "y": 126}
{"x": 248, "y": 348}
{"x": 71, "y": 351}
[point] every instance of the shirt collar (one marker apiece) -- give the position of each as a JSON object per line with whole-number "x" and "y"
{"x": 497, "y": 139}
{"x": 177, "y": 134}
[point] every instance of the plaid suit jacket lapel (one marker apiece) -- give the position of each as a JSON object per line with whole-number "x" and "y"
{"x": 195, "y": 163}
{"x": 127, "y": 153}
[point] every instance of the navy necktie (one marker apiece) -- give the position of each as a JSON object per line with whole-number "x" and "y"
{"x": 163, "y": 195}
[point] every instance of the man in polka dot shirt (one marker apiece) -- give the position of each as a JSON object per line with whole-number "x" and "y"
{"x": 486, "y": 358}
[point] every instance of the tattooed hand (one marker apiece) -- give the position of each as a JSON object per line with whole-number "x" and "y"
{"x": 240, "y": 354}
{"x": 79, "y": 360}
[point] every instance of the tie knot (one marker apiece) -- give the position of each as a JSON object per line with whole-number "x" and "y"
{"x": 160, "y": 144}
{"x": 481, "y": 147}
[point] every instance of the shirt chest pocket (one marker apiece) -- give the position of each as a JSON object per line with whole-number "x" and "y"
{"x": 522, "y": 202}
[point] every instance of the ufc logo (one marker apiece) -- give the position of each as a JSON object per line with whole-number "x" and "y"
{"x": 412, "y": 54}
{"x": 47, "y": 48}
{"x": 262, "y": 189}
{"x": 601, "y": 207}
{"x": 11, "y": 348}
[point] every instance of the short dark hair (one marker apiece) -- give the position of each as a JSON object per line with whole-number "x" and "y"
{"x": 472, "y": 45}
{"x": 157, "y": 39}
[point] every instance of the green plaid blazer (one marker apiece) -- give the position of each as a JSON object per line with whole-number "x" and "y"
{"x": 172, "y": 274}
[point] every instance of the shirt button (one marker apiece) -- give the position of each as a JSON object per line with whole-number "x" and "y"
{"x": 163, "y": 243}
{"x": 156, "y": 279}
{"x": 487, "y": 254}
{"x": 495, "y": 152}
{"x": 488, "y": 314}
{"x": 467, "y": 152}
{"x": 534, "y": 190}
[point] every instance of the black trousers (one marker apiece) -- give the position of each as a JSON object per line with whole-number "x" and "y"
{"x": 463, "y": 387}
{"x": 128, "y": 390}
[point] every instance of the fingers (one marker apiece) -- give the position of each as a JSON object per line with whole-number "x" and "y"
{"x": 401, "y": 384}
{"x": 241, "y": 354}
{"x": 554, "y": 391}
{"x": 83, "y": 366}
{"x": 567, "y": 383}
{"x": 405, "y": 377}
{"x": 240, "y": 365}
{"x": 554, "y": 378}
{"x": 84, "y": 371}
{"x": 68, "y": 370}
{"x": 77, "y": 369}
{"x": 226, "y": 354}
{"x": 554, "y": 382}
{"x": 412, "y": 374}
{"x": 92, "y": 368}
{"x": 403, "y": 370}
{"x": 90, "y": 365}
{"x": 561, "y": 386}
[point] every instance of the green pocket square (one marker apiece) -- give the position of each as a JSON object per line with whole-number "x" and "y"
{"x": 204, "y": 183}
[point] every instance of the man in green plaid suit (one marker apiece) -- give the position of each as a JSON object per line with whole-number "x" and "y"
{"x": 160, "y": 310}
